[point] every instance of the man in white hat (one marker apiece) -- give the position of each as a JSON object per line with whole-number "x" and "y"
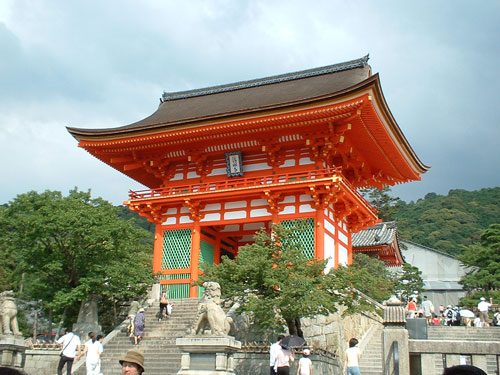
{"x": 483, "y": 308}
{"x": 132, "y": 363}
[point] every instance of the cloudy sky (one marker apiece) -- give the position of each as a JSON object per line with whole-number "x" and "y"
{"x": 105, "y": 63}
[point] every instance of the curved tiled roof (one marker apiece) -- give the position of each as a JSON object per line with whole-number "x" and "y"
{"x": 244, "y": 97}
{"x": 377, "y": 235}
{"x": 348, "y": 65}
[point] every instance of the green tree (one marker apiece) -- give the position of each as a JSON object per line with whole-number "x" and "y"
{"x": 368, "y": 275}
{"x": 70, "y": 247}
{"x": 483, "y": 263}
{"x": 385, "y": 205}
{"x": 277, "y": 284}
{"x": 408, "y": 282}
{"x": 7, "y": 261}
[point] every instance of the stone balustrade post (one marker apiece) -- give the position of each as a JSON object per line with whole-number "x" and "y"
{"x": 395, "y": 331}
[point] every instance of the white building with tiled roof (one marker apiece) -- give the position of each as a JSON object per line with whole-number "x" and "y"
{"x": 440, "y": 272}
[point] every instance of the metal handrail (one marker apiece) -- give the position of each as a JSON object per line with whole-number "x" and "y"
{"x": 394, "y": 353}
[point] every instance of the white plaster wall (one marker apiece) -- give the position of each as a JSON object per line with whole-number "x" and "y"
{"x": 435, "y": 266}
{"x": 343, "y": 256}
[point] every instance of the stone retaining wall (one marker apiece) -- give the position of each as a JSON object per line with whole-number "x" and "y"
{"x": 42, "y": 362}
{"x": 333, "y": 332}
{"x": 257, "y": 363}
{"x": 430, "y": 356}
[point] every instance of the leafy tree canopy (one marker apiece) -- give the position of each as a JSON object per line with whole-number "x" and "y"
{"x": 274, "y": 281}
{"x": 70, "y": 247}
{"x": 483, "y": 261}
{"x": 409, "y": 282}
{"x": 443, "y": 222}
{"x": 382, "y": 201}
{"x": 370, "y": 276}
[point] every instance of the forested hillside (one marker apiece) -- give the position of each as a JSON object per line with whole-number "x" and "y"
{"x": 447, "y": 222}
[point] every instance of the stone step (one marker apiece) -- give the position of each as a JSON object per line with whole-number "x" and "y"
{"x": 162, "y": 357}
{"x": 463, "y": 333}
{"x": 371, "y": 357}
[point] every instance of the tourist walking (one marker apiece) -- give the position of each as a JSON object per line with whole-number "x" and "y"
{"x": 139, "y": 323}
{"x": 428, "y": 309}
{"x": 93, "y": 351}
{"x": 352, "y": 356}
{"x": 100, "y": 339}
{"x": 283, "y": 359}
{"x": 163, "y": 305}
{"x": 412, "y": 308}
{"x": 483, "y": 308}
{"x": 449, "y": 315}
{"x": 132, "y": 363}
{"x": 132, "y": 312}
{"x": 71, "y": 344}
{"x": 305, "y": 364}
{"x": 273, "y": 353}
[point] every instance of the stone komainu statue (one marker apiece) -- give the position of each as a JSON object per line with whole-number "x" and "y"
{"x": 210, "y": 315}
{"x": 8, "y": 313}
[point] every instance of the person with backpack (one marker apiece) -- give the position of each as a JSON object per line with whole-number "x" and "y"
{"x": 456, "y": 318}
{"x": 449, "y": 315}
{"x": 496, "y": 319}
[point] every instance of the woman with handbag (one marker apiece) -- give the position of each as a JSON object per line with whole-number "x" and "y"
{"x": 163, "y": 305}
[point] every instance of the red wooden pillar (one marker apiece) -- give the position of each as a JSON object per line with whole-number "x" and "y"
{"x": 217, "y": 249}
{"x": 195, "y": 258}
{"x": 319, "y": 243}
{"x": 158, "y": 249}
{"x": 349, "y": 248}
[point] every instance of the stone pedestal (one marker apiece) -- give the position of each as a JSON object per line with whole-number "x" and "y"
{"x": 12, "y": 351}
{"x": 395, "y": 333}
{"x": 207, "y": 355}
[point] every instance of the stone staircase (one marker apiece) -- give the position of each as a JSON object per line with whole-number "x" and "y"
{"x": 371, "y": 353}
{"x": 161, "y": 355}
{"x": 463, "y": 333}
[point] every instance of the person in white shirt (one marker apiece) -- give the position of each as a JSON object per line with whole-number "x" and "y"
{"x": 483, "y": 308}
{"x": 100, "y": 339}
{"x": 352, "y": 356}
{"x": 93, "y": 350}
{"x": 428, "y": 308}
{"x": 305, "y": 364}
{"x": 273, "y": 353}
{"x": 70, "y": 343}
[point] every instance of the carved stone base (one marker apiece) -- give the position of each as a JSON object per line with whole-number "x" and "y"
{"x": 12, "y": 351}
{"x": 207, "y": 355}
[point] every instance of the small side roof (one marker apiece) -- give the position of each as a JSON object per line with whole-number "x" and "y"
{"x": 377, "y": 235}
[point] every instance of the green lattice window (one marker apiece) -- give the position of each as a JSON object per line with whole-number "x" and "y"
{"x": 206, "y": 253}
{"x": 176, "y": 291}
{"x": 176, "y": 249}
{"x": 306, "y": 237}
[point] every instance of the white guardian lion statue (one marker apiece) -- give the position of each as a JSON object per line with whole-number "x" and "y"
{"x": 8, "y": 313}
{"x": 211, "y": 319}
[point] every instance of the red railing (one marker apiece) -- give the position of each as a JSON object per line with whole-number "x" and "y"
{"x": 235, "y": 183}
